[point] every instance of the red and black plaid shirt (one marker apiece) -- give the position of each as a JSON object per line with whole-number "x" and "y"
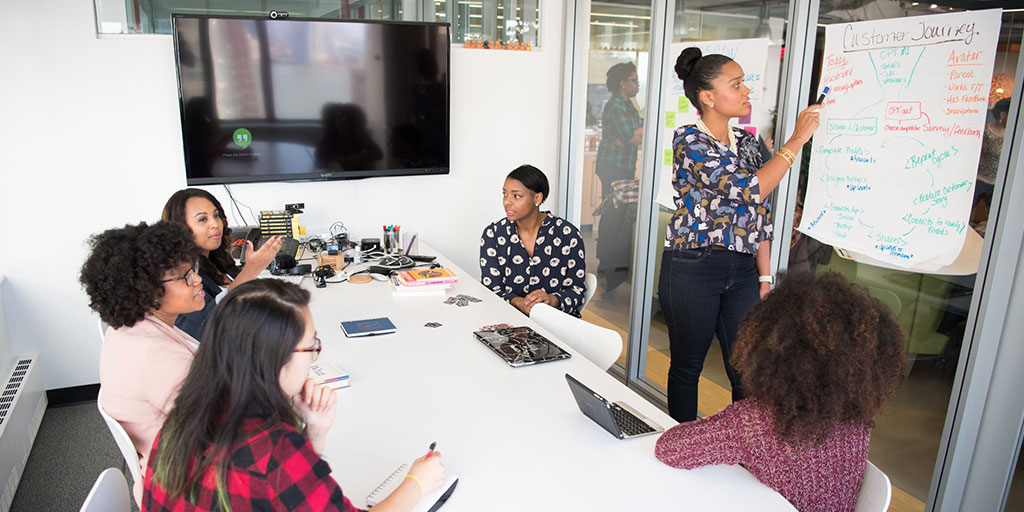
{"x": 273, "y": 468}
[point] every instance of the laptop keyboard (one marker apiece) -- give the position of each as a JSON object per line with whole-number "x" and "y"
{"x": 630, "y": 425}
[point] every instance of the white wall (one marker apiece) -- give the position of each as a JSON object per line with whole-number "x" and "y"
{"x": 91, "y": 140}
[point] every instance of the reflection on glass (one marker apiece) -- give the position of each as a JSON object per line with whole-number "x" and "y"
{"x": 932, "y": 308}
{"x": 617, "y": 67}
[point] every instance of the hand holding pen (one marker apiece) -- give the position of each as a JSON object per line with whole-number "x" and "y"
{"x": 427, "y": 471}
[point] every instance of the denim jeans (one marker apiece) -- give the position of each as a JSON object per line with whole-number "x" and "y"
{"x": 703, "y": 293}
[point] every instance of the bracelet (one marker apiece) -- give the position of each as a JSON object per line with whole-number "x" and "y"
{"x": 789, "y": 162}
{"x": 770, "y": 279}
{"x": 787, "y": 154}
{"x": 418, "y": 482}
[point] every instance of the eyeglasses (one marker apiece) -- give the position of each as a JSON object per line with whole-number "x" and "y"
{"x": 191, "y": 277}
{"x": 317, "y": 347}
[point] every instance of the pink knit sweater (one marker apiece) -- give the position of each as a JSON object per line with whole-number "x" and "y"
{"x": 825, "y": 477}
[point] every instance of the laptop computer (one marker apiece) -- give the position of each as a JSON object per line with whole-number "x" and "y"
{"x": 619, "y": 419}
{"x": 521, "y": 346}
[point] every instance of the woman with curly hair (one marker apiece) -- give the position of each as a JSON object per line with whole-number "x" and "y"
{"x": 248, "y": 429}
{"x": 140, "y": 279}
{"x": 818, "y": 358}
{"x": 200, "y": 211}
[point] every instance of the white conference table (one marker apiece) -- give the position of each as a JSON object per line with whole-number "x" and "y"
{"x": 514, "y": 436}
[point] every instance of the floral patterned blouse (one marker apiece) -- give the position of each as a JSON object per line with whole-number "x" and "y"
{"x": 558, "y": 265}
{"x": 718, "y": 199}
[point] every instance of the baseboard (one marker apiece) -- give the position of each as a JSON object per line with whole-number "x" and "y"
{"x": 72, "y": 396}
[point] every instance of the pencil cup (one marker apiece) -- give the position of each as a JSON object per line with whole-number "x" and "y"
{"x": 392, "y": 242}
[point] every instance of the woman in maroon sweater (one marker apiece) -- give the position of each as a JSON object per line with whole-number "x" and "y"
{"x": 817, "y": 359}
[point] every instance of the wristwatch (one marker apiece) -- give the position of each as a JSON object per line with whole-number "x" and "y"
{"x": 770, "y": 279}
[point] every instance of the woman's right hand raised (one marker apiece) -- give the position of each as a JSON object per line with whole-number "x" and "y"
{"x": 429, "y": 470}
{"x": 261, "y": 258}
{"x": 806, "y": 123}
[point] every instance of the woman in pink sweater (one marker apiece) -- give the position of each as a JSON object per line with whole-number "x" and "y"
{"x": 139, "y": 279}
{"x": 817, "y": 359}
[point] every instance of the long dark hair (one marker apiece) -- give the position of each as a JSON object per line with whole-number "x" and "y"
{"x": 220, "y": 261}
{"x": 819, "y": 351}
{"x": 234, "y": 376}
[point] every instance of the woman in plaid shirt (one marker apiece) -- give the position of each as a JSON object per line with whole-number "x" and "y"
{"x": 248, "y": 427}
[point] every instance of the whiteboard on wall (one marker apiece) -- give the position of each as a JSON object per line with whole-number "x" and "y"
{"x": 895, "y": 159}
{"x": 752, "y": 56}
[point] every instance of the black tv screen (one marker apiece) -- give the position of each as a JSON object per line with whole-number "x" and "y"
{"x": 311, "y": 99}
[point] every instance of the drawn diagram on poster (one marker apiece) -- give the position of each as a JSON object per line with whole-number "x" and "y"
{"x": 894, "y": 161}
{"x": 751, "y": 55}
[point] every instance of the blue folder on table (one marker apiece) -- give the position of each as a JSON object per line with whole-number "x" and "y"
{"x": 367, "y": 327}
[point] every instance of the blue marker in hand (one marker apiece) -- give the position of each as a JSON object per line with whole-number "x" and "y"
{"x": 821, "y": 98}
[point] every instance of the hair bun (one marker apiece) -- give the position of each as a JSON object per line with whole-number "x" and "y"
{"x": 686, "y": 61}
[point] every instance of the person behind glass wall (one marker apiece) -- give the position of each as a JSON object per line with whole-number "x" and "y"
{"x": 140, "y": 279}
{"x": 531, "y": 256}
{"x": 248, "y": 400}
{"x": 621, "y": 134}
{"x": 200, "y": 211}
{"x": 709, "y": 274}
{"x": 818, "y": 358}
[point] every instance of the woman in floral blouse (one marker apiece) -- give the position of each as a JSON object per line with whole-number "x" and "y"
{"x": 529, "y": 256}
{"x": 717, "y": 241}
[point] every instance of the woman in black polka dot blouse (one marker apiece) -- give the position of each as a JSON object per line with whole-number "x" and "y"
{"x": 531, "y": 257}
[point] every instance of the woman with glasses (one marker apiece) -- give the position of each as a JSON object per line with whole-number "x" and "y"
{"x": 200, "y": 211}
{"x": 140, "y": 279}
{"x": 248, "y": 428}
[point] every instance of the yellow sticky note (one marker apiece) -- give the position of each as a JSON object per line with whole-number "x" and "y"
{"x": 670, "y": 119}
{"x": 684, "y": 104}
{"x": 668, "y": 157}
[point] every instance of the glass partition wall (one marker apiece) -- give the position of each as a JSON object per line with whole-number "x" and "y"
{"x": 624, "y": 213}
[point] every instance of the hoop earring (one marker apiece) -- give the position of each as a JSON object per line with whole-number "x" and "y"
{"x": 711, "y": 105}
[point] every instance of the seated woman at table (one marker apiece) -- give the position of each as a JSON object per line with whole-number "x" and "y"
{"x": 531, "y": 256}
{"x": 200, "y": 211}
{"x": 248, "y": 428}
{"x": 140, "y": 279}
{"x": 818, "y": 358}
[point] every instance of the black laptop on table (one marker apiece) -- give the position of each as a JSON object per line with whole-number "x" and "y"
{"x": 619, "y": 419}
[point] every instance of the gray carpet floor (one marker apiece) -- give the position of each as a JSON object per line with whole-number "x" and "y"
{"x": 72, "y": 448}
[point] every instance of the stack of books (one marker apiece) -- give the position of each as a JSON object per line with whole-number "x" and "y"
{"x": 279, "y": 222}
{"x": 422, "y": 282}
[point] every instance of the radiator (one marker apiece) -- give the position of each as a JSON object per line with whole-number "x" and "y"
{"x": 22, "y": 404}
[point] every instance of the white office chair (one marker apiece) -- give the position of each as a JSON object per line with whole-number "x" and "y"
{"x": 591, "y": 282}
{"x": 601, "y": 346}
{"x": 124, "y": 443}
{"x": 103, "y": 328}
{"x": 108, "y": 494}
{"x": 875, "y": 491}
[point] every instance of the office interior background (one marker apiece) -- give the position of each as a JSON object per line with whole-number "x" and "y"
{"x": 93, "y": 140}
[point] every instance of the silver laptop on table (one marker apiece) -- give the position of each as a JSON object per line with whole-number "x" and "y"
{"x": 619, "y": 419}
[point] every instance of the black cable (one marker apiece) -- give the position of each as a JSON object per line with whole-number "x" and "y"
{"x": 237, "y": 202}
{"x": 234, "y": 203}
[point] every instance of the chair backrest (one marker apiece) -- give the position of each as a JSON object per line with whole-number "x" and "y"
{"x": 108, "y": 494}
{"x": 875, "y": 491}
{"x": 591, "y": 282}
{"x": 601, "y": 346}
{"x": 124, "y": 443}
{"x": 103, "y": 328}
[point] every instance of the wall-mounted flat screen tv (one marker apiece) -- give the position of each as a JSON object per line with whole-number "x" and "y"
{"x": 311, "y": 99}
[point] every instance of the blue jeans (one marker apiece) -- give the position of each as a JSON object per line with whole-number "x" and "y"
{"x": 703, "y": 293}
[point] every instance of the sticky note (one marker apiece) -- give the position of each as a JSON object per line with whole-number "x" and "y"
{"x": 670, "y": 119}
{"x": 684, "y": 104}
{"x": 751, "y": 129}
{"x": 668, "y": 157}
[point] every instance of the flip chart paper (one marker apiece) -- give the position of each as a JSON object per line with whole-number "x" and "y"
{"x": 894, "y": 161}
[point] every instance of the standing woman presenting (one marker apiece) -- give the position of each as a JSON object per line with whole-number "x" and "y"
{"x": 716, "y": 264}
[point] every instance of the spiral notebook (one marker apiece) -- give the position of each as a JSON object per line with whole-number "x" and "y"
{"x": 428, "y": 503}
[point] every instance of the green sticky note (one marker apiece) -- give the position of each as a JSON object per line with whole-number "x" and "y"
{"x": 670, "y": 119}
{"x": 684, "y": 104}
{"x": 668, "y": 157}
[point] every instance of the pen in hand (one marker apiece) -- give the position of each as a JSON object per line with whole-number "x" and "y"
{"x": 430, "y": 451}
